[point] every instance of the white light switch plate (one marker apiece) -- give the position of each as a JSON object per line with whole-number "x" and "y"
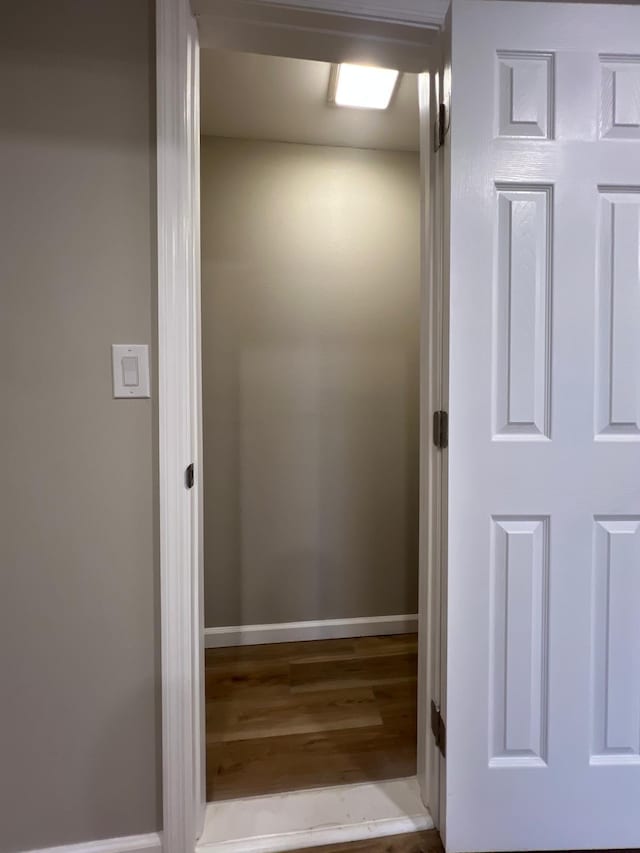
{"x": 130, "y": 370}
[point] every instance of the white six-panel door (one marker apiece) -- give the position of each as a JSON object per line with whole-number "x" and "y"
{"x": 543, "y": 668}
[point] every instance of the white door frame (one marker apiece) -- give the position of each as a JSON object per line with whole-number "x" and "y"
{"x": 179, "y": 365}
{"x": 179, "y": 439}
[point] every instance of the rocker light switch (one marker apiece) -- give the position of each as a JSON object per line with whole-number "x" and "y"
{"x": 130, "y": 370}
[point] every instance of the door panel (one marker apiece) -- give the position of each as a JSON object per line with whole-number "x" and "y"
{"x": 617, "y": 387}
{"x": 523, "y": 305}
{"x": 616, "y": 641}
{"x": 543, "y": 640}
{"x": 518, "y": 654}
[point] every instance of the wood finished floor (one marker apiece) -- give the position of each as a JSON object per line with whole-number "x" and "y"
{"x": 415, "y": 842}
{"x": 300, "y": 715}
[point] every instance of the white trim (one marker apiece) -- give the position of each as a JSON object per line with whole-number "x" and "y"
{"x": 312, "y": 32}
{"x": 300, "y": 819}
{"x": 412, "y": 12}
{"x": 150, "y": 843}
{"x": 320, "y": 629}
{"x": 420, "y": 12}
{"x": 197, "y": 566}
{"x": 428, "y": 453}
{"x": 178, "y": 403}
{"x": 439, "y": 530}
{"x": 433, "y": 91}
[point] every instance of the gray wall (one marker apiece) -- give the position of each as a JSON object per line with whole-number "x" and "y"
{"x": 310, "y": 348}
{"x": 79, "y": 747}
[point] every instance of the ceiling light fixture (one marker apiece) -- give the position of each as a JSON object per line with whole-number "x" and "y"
{"x": 363, "y": 86}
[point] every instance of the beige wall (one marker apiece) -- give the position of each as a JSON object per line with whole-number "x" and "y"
{"x": 79, "y": 707}
{"x": 310, "y": 347}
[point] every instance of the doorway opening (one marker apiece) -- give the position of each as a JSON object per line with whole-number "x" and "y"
{"x": 310, "y": 236}
{"x": 412, "y": 48}
{"x": 311, "y": 372}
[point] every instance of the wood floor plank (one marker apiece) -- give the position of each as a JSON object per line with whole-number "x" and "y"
{"x": 281, "y": 652}
{"x": 387, "y": 645}
{"x": 355, "y": 672}
{"x": 271, "y": 765}
{"x": 264, "y": 679}
{"x": 245, "y": 719}
{"x": 415, "y": 842}
{"x": 398, "y": 705}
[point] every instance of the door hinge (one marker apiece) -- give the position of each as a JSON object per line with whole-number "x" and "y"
{"x": 438, "y": 729}
{"x": 441, "y": 127}
{"x": 441, "y": 429}
{"x": 190, "y": 476}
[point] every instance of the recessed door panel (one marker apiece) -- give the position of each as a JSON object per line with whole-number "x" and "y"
{"x": 525, "y": 94}
{"x": 618, "y": 316}
{"x": 616, "y": 641}
{"x": 620, "y": 107}
{"x": 523, "y": 312}
{"x": 520, "y": 552}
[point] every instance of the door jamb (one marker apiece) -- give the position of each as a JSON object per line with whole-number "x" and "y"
{"x": 179, "y": 428}
{"x": 180, "y": 414}
{"x": 439, "y": 262}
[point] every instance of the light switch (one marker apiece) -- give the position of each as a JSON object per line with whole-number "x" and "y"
{"x": 130, "y": 370}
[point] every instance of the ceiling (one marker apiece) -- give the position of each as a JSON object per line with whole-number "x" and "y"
{"x": 252, "y": 96}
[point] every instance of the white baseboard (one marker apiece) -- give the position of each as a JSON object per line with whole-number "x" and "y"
{"x": 150, "y": 843}
{"x": 311, "y": 818}
{"x": 321, "y": 629}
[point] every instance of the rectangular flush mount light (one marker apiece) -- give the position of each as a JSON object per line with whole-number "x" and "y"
{"x": 363, "y": 86}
